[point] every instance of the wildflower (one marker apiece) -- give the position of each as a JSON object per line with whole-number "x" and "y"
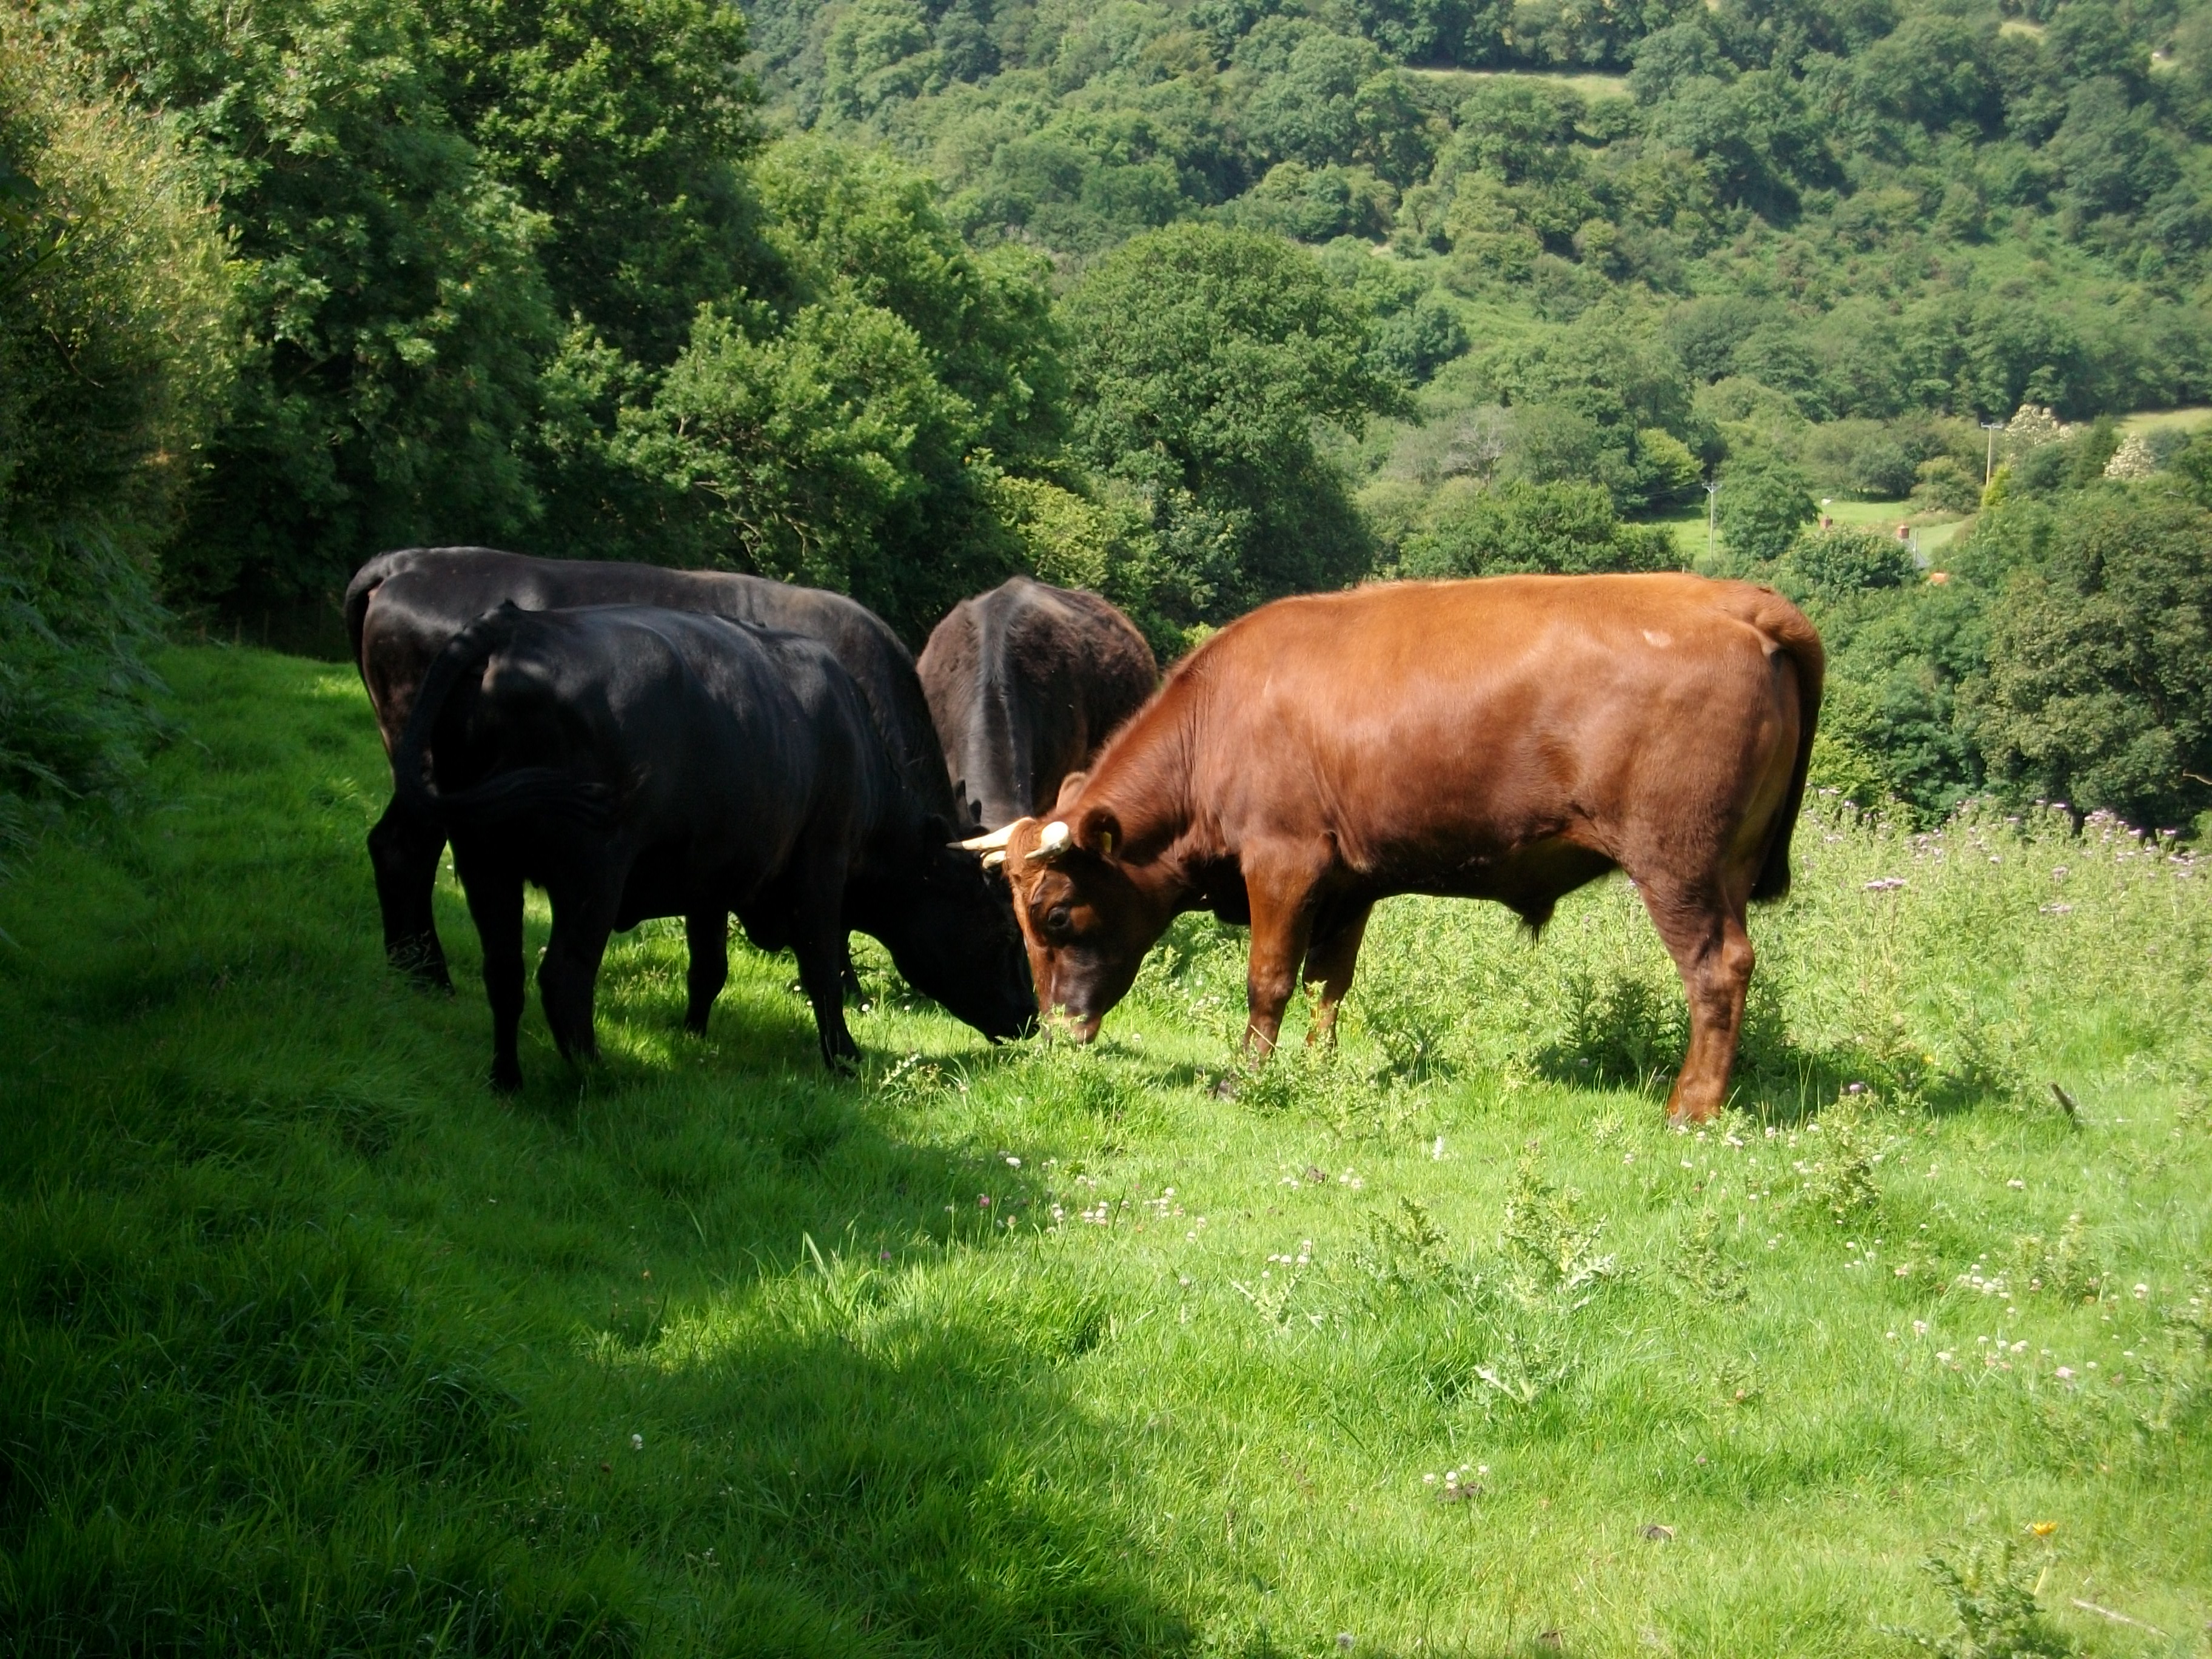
{"x": 1920, "y": 1328}
{"x": 2017, "y": 1186}
{"x": 1428, "y": 1480}
{"x": 1855, "y": 1088}
{"x": 2142, "y": 1292}
{"x": 1944, "y": 1358}
{"x": 982, "y": 1200}
{"x": 1886, "y": 884}
{"x": 2064, "y": 1373}
{"x": 637, "y": 1443}
{"x": 1012, "y": 1163}
{"x": 2042, "y": 1528}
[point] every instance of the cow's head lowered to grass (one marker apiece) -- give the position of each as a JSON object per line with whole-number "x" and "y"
{"x": 1086, "y": 917}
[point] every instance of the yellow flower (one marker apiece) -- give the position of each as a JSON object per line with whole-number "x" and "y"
{"x": 2042, "y": 1528}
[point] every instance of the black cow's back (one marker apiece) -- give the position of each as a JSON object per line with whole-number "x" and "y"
{"x": 402, "y": 607}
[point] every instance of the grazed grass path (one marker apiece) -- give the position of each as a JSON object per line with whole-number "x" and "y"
{"x": 314, "y": 1346}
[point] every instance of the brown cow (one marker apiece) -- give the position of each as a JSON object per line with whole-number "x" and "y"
{"x": 1025, "y": 682}
{"x": 1510, "y": 739}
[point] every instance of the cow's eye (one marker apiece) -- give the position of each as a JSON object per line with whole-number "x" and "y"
{"x": 1056, "y": 918}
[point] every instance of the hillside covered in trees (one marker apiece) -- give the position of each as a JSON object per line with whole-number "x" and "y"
{"x": 1195, "y": 304}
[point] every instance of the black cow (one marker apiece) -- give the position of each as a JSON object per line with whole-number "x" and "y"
{"x": 637, "y": 762}
{"x": 1025, "y": 682}
{"x": 401, "y": 609}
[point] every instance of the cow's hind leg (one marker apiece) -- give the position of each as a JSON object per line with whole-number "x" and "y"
{"x": 494, "y": 893}
{"x": 583, "y": 916}
{"x": 1332, "y": 954}
{"x": 1705, "y": 935}
{"x": 402, "y": 851}
{"x": 707, "y": 933}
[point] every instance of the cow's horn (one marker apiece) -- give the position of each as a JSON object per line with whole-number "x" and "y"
{"x": 992, "y": 860}
{"x": 994, "y": 842}
{"x": 1051, "y": 844}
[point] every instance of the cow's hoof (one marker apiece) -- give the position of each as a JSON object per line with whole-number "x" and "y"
{"x": 505, "y": 1080}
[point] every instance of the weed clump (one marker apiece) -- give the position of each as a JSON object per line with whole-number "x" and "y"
{"x": 1555, "y": 1246}
{"x": 1994, "y": 1605}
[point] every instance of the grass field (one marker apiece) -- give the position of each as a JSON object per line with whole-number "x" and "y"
{"x": 2190, "y": 419}
{"x": 1446, "y": 1346}
{"x": 1688, "y": 527}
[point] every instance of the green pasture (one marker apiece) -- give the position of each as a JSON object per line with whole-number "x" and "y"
{"x": 1444, "y": 1346}
{"x": 1588, "y": 86}
{"x": 2145, "y": 422}
{"x": 1688, "y": 527}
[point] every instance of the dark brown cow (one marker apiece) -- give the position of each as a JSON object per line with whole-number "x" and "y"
{"x": 1510, "y": 739}
{"x": 1025, "y": 682}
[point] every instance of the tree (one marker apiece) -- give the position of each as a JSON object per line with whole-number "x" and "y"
{"x": 114, "y": 330}
{"x": 1202, "y": 359}
{"x": 626, "y": 124}
{"x": 2099, "y": 684}
{"x": 1551, "y": 529}
{"x": 393, "y": 312}
{"x": 1764, "y": 502}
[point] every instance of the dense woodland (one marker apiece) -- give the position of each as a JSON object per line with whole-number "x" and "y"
{"x": 1194, "y": 305}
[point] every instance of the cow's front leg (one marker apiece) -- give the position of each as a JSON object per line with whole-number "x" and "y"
{"x": 402, "y": 851}
{"x": 1330, "y": 958}
{"x": 1281, "y": 889}
{"x": 819, "y": 941}
{"x": 707, "y": 933}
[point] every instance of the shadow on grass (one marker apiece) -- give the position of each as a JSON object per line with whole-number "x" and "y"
{"x": 316, "y": 1346}
{"x": 1626, "y": 1032}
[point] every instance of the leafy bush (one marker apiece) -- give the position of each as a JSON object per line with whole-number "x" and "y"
{"x": 1555, "y": 529}
{"x": 113, "y": 302}
{"x": 1764, "y": 502}
{"x": 1847, "y": 559}
{"x": 1202, "y": 358}
{"x": 2100, "y": 686}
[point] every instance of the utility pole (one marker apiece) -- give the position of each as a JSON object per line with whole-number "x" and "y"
{"x": 1712, "y": 516}
{"x": 1990, "y": 461}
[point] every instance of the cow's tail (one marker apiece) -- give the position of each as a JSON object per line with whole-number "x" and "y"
{"x": 509, "y": 794}
{"x": 1796, "y": 639}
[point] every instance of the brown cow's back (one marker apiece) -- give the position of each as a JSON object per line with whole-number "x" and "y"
{"x": 1415, "y": 724}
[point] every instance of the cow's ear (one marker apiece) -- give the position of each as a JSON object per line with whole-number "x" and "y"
{"x": 1099, "y": 832}
{"x": 1070, "y": 787}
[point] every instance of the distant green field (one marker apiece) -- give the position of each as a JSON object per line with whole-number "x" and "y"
{"x": 2153, "y": 420}
{"x": 1589, "y": 86}
{"x": 1690, "y": 534}
{"x": 1444, "y": 1346}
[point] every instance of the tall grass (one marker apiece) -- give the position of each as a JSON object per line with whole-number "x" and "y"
{"x": 1442, "y": 1344}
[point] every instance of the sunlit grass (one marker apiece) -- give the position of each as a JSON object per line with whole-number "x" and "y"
{"x": 316, "y": 1346}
